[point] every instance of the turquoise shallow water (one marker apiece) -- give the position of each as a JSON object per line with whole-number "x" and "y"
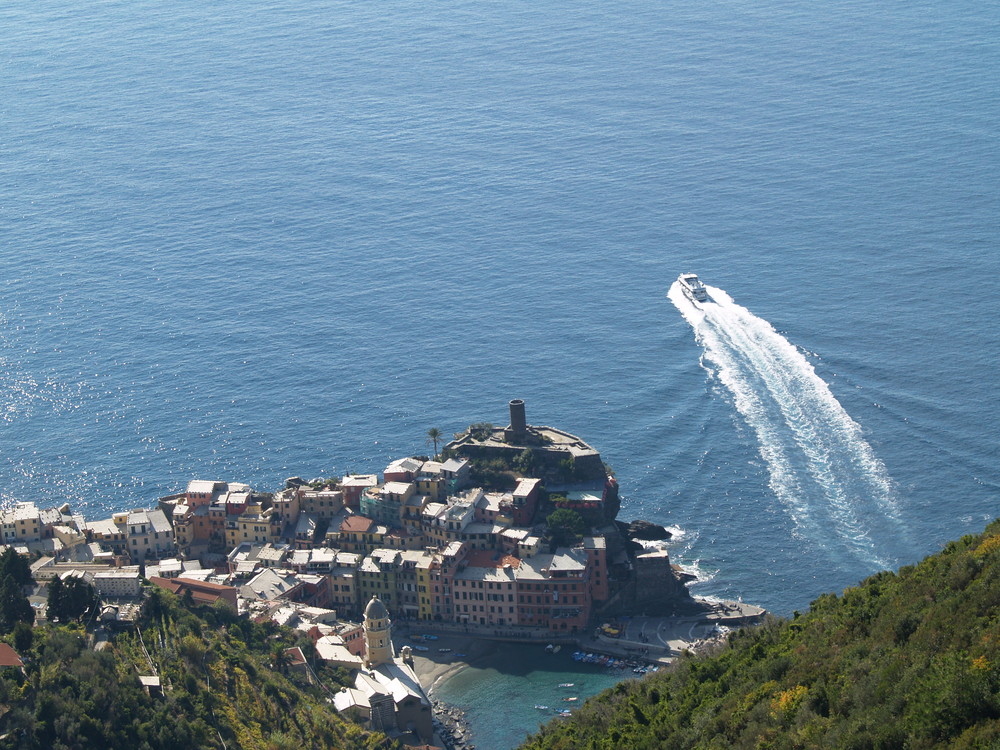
{"x": 502, "y": 696}
{"x": 248, "y": 242}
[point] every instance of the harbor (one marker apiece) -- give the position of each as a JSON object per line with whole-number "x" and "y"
{"x": 538, "y": 682}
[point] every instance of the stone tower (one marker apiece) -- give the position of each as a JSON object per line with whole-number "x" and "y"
{"x": 518, "y": 429}
{"x": 378, "y": 643}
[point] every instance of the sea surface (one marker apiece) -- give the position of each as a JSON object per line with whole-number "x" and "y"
{"x": 507, "y": 695}
{"x": 248, "y": 241}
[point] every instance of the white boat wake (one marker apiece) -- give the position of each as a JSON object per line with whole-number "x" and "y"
{"x": 821, "y": 468}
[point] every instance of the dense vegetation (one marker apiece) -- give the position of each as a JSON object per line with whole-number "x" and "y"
{"x": 15, "y": 574}
{"x": 908, "y": 660}
{"x": 71, "y": 599}
{"x": 566, "y": 526}
{"x": 223, "y": 682}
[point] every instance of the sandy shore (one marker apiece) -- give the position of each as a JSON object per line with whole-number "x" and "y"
{"x": 435, "y": 666}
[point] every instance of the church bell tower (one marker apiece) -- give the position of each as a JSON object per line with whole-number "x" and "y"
{"x": 377, "y": 627}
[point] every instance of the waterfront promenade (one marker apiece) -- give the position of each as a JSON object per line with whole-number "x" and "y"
{"x": 660, "y": 639}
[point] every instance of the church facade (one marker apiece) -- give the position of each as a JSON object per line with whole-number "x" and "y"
{"x": 387, "y": 694}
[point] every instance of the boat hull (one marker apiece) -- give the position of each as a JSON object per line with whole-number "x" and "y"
{"x": 692, "y": 287}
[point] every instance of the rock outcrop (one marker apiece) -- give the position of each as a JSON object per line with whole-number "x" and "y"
{"x": 644, "y": 531}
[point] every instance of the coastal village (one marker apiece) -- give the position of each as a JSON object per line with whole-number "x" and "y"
{"x": 506, "y": 534}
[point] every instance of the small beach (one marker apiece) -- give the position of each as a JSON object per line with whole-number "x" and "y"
{"x": 474, "y": 676}
{"x": 509, "y": 690}
{"x": 435, "y": 665}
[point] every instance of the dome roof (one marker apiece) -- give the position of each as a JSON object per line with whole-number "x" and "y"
{"x": 376, "y": 610}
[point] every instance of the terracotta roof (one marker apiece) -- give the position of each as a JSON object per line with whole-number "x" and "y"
{"x": 511, "y": 560}
{"x": 357, "y": 523}
{"x": 295, "y": 656}
{"x": 202, "y": 592}
{"x": 9, "y": 657}
{"x": 488, "y": 559}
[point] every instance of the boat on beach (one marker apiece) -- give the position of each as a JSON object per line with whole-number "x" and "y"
{"x": 692, "y": 287}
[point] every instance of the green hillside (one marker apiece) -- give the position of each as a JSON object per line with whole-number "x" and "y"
{"x": 904, "y": 660}
{"x": 226, "y": 682}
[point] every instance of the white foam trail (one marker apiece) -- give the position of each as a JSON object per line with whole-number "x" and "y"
{"x": 821, "y": 468}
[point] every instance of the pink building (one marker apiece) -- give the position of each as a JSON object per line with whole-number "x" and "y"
{"x": 353, "y": 485}
{"x": 524, "y": 501}
{"x": 442, "y": 574}
{"x": 597, "y": 566}
{"x": 402, "y": 470}
{"x": 553, "y": 591}
{"x": 486, "y": 589}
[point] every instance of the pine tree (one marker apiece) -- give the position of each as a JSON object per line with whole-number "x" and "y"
{"x": 14, "y": 605}
{"x": 15, "y": 566}
{"x": 70, "y": 599}
{"x": 81, "y": 599}
{"x": 566, "y": 526}
{"x": 24, "y": 637}
{"x": 56, "y": 601}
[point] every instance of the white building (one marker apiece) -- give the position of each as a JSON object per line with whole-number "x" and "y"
{"x": 118, "y": 583}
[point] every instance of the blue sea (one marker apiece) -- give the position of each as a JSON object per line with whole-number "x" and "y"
{"x": 248, "y": 241}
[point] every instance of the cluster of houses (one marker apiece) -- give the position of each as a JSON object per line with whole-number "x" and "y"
{"x": 421, "y": 538}
{"x": 335, "y": 558}
{"x": 423, "y": 541}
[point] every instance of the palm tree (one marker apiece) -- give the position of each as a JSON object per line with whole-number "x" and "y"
{"x": 434, "y": 434}
{"x": 280, "y": 658}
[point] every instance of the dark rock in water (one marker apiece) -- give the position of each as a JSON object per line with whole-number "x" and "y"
{"x": 650, "y": 532}
{"x": 633, "y": 546}
{"x": 682, "y": 575}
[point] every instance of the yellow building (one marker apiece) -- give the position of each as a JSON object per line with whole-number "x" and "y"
{"x": 252, "y": 525}
{"x": 424, "y": 565}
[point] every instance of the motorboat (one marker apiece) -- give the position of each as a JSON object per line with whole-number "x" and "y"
{"x": 692, "y": 287}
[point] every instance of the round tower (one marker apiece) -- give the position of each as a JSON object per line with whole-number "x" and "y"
{"x": 377, "y": 627}
{"x": 518, "y": 422}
